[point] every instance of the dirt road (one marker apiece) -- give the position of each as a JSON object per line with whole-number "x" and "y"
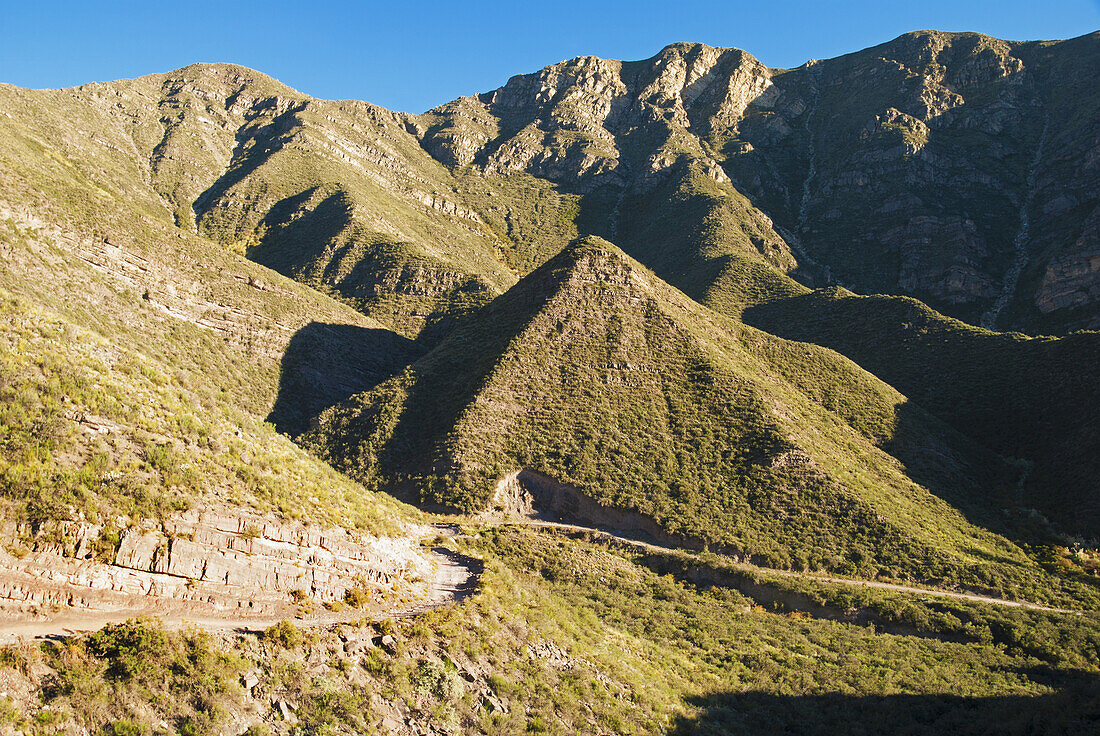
{"x": 455, "y": 579}
{"x": 813, "y": 577}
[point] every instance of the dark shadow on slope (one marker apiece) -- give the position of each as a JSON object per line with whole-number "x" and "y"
{"x": 1073, "y": 709}
{"x": 315, "y": 238}
{"x": 448, "y": 378}
{"x": 953, "y": 466}
{"x": 301, "y": 235}
{"x": 325, "y": 364}
{"x": 1035, "y": 401}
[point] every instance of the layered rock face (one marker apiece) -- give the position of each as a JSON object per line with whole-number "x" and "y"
{"x": 640, "y": 141}
{"x": 573, "y": 120}
{"x": 206, "y": 563}
{"x": 339, "y": 196}
{"x": 957, "y": 168}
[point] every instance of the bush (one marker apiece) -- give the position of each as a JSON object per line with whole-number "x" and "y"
{"x": 121, "y": 727}
{"x": 356, "y": 597}
{"x": 131, "y": 648}
{"x": 284, "y": 634}
{"x": 328, "y": 709}
{"x": 437, "y": 679}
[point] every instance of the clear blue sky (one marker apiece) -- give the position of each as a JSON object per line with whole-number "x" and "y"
{"x": 412, "y": 56}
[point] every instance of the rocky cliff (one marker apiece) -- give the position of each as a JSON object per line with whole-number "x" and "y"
{"x": 203, "y": 565}
{"x": 957, "y": 168}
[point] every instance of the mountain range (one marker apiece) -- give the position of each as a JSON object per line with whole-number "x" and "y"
{"x": 840, "y": 318}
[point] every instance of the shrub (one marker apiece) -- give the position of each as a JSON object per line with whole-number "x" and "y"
{"x": 284, "y": 634}
{"x": 436, "y": 679}
{"x": 121, "y": 727}
{"x": 356, "y": 597}
{"x": 131, "y": 648}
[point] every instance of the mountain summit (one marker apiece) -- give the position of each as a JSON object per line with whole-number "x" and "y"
{"x": 681, "y": 395}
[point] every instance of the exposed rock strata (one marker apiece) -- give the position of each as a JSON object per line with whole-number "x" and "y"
{"x": 207, "y": 562}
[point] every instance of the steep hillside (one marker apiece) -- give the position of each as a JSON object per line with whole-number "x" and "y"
{"x": 337, "y": 195}
{"x": 1033, "y": 399}
{"x": 140, "y": 361}
{"x": 149, "y": 191}
{"x": 198, "y": 266}
{"x": 626, "y": 137}
{"x": 957, "y": 168}
{"x": 594, "y": 373}
{"x": 952, "y": 167}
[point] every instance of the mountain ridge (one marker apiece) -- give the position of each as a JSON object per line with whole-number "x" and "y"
{"x": 249, "y": 337}
{"x": 344, "y": 197}
{"x": 527, "y": 384}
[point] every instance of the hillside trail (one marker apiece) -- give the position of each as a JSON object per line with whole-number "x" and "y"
{"x": 455, "y": 579}
{"x": 809, "y": 576}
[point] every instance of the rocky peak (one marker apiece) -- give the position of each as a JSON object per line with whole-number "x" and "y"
{"x": 702, "y": 85}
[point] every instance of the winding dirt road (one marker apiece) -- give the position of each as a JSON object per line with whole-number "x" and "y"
{"x": 813, "y": 577}
{"x": 454, "y": 580}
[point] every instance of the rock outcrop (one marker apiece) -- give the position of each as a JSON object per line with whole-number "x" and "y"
{"x": 953, "y": 167}
{"x": 210, "y": 563}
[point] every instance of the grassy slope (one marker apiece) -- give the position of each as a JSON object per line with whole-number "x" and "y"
{"x": 566, "y": 636}
{"x": 706, "y": 239}
{"x": 117, "y": 319}
{"x": 330, "y": 194}
{"x": 338, "y": 195}
{"x": 593, "y": 371}
{"x": 94, "y": 431}
{"x": 645, "y": 650}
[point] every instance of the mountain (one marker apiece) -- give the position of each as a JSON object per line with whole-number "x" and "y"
{"x": 957, "y": 168}
{"x": 140, "y": 360}
{"x": 337, "y": 195}
{"x": 722, "y": 324}
{"x": 415, "y": 224}
{"x": 1029, "y": 399}
{"x": 593, "y": 374}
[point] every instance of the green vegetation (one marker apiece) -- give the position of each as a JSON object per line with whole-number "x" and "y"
{"x": 195, "y": 263}
{"x": 706, "y": 239}
{"x": 567, "y": 635}
{"x": 1031, "y": 399}
{"x": 592, "y": 372}
{"x": 284, "y": 634}
{"x": 84, "y": 441}
{"x": 118, "y": 679}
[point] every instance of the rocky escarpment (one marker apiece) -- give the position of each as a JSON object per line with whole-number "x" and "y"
{"x": 571, "y": 121}
{"x": 639, "y": 141}
{"x": 202, "y": 565}
{"x": 957, "y": 168}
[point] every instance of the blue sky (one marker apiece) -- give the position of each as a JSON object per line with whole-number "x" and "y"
{"x": 413, "y": 56}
